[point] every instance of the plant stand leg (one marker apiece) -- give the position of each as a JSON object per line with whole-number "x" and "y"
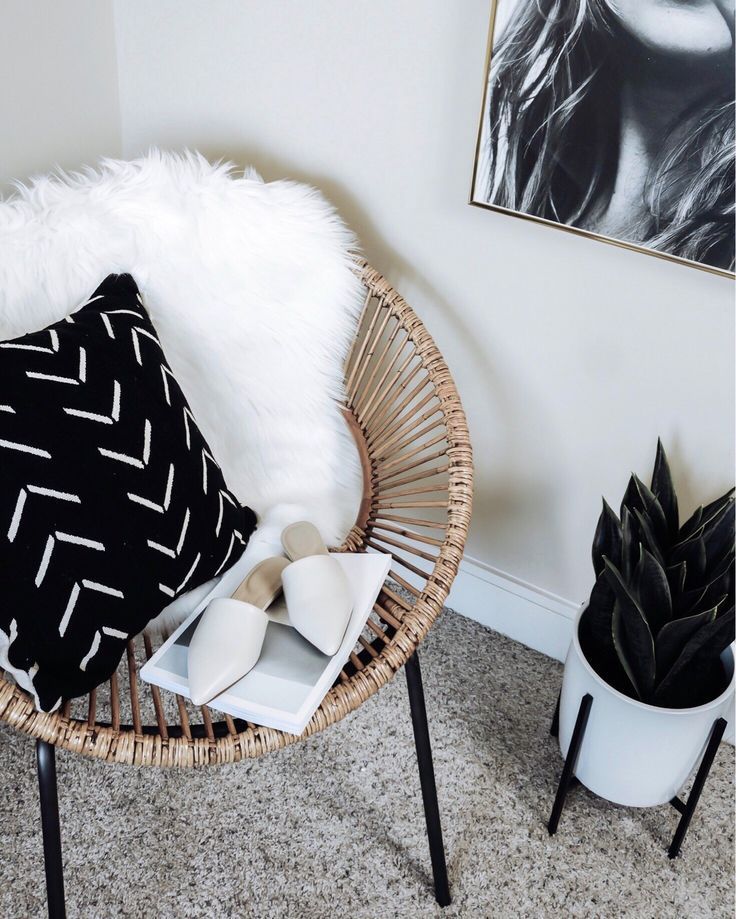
{"x": 426, "y": 778}
{"x": 46, "y": 764}
{"x": 554, "y": 728}
{"x": 568, "y": 770}
{"x": 687, "y": 809}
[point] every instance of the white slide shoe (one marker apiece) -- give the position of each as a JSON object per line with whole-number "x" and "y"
{"x": 317, "y": 592}
{"x": 229, "y": 636}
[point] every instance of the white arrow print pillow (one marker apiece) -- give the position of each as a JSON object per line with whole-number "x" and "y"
{"x": 111, "y": 501}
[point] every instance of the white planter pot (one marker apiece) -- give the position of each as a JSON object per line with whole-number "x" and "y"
{"x": 634, "y": 754}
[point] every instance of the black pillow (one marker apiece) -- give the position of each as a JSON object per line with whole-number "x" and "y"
{"x": 111, "y": 503}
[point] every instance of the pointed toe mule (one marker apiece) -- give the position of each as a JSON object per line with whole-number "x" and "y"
{"x": 229, "y": 637}
{"x": 317, "y": 592}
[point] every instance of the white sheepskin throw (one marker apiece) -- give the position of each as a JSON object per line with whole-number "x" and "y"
{"x": 251, "y": 289}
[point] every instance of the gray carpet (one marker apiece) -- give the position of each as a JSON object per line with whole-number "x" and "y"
{"x": 334, "y": 828}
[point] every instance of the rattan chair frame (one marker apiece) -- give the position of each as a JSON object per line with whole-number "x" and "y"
{"x": 405, "y": 414}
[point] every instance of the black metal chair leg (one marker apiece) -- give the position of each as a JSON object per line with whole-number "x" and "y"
{"x": 426, "y": 778}
{"x": 46, "y": 763}
{"x": 688, "y": 808}
{"x": 568, "y": 770}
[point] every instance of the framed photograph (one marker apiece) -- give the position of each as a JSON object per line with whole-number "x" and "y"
{"x": 614, "y": 119}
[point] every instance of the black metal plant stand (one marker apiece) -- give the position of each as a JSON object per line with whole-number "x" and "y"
{"x": 46, "y": 763}
{"x": 567, "y": 780}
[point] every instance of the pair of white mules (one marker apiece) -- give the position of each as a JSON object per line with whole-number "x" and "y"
{"x": 229, "y": 637}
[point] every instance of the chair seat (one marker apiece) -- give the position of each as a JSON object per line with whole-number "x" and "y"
{"x": 405, "y": 414}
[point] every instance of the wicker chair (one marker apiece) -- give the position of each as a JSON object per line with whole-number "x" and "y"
{"x": 406, "y": 416}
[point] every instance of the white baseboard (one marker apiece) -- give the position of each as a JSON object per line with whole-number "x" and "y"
{"x": 526, "y": 613}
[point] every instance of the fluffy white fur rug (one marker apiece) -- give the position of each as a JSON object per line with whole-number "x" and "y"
{"x": 251, "y": 289}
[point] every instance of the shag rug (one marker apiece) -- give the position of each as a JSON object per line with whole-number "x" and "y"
{"x": 251, "y": 289}
{"x": 334, "y": 826}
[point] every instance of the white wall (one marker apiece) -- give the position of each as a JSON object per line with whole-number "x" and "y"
{"x": 59, "y": 96}
{"x": 571, "y": 355}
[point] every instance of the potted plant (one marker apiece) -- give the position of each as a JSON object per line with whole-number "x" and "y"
{"x": 653, "y": 645}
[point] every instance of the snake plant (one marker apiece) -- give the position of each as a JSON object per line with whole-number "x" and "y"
{"x": 662, "y": 608}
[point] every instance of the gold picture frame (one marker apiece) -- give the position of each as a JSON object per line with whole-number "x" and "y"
{"x": 634, "y": 247}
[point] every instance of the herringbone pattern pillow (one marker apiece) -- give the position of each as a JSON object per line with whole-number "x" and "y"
{"x": 111, "y": 502}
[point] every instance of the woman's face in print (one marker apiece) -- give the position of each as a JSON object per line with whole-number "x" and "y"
{"x": 686, "y": 28}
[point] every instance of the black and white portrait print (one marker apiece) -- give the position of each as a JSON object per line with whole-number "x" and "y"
{"x": 615, "y": 118}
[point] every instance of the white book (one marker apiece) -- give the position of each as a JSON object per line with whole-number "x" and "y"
{"x": 291, "y": 678}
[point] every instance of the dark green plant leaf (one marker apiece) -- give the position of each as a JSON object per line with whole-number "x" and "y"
{"x": 725, "y": 565}
{"x": 726, "y": 573}
{"x": 631, "y": 635}
{"x": 671, "y": 641}
{"x": 699, "y": 682}
{"x": 640, "y": 498}
{"x": 691, "y": 526}
{"x": 696, "y": 676}
{"x": 655, "y": 512}
{"x": 607, "y": 539}
{"x": 652, "y": 590}
{"x": 676, "y": 576}
{"x": 596, "y": 638}
{"x": 714, "y": 636}
{"x": 715, "y": 507}
{"x": 631, "y": 499}
{"x": 629, "y": 544}
{"x": 693, "y": 554}
{"x": 597, "y": 615}
{"x": 703, "y": 598}
{"x": 664, "y": 491}
{"x": 647, "y": 535}
{"x": 718, "y": 535}
{"x": 618, "y": 637}
{"x": 691, "y": 602}
{"x": 702, "y": 515}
